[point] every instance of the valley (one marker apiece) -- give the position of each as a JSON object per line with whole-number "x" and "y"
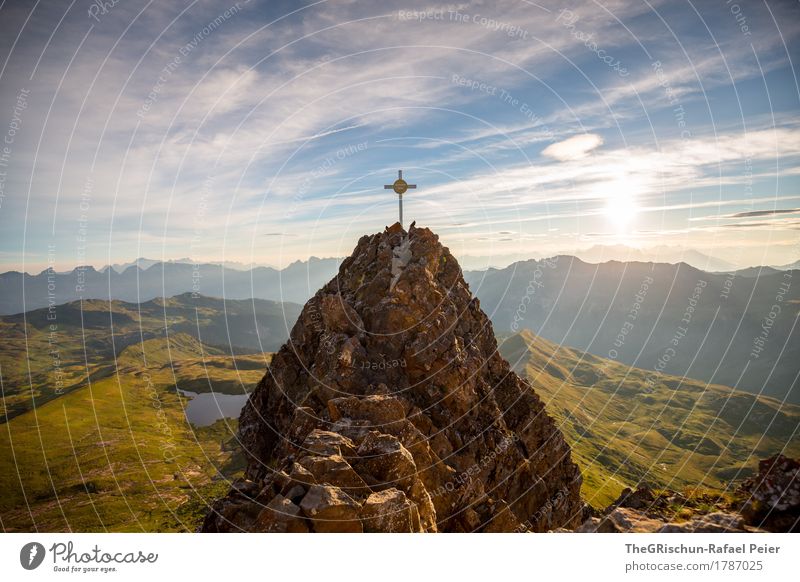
{"x": 114, "y": 449}
{"x": 675, "y": 434}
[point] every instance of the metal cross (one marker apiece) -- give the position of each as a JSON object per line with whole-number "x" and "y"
{"x": 400, "y": 186}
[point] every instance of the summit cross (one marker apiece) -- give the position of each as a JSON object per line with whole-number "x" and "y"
{"x": 400, "y": 186}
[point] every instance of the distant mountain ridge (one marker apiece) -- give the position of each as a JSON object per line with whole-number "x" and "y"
{"x": 662, "y": 254}
{"x": 571, "y": 302}
{"x": 24, "y": 292}
{"x": 146, "y": 279}
{"x": 144, "y": 263}
{"x": 672, "y": 319}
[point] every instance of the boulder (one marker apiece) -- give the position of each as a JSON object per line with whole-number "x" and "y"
{"x": 641, "y": 498}
{"x": 772, "y": 496}
{"x": 331, "y": 510}
{"x": 280, "y": 516}
{"x": 327, "y": 443}
{"x": 390, "y": 511}
{"x": 717, "y": 522}
{"x": 386, "y": 462}
{"x": 627, "y": 520}
{"x": 379, "y": 410}
{"x": 334, "y": 470}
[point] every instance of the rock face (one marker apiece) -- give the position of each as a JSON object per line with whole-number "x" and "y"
{"x": 772, "y": 496}
{"x": 390, "y": 410}
{"x": 626, "y": 520}
{"x": 646, "y": 511}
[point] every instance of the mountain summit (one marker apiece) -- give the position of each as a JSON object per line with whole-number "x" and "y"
{"x": 390, "y": 409}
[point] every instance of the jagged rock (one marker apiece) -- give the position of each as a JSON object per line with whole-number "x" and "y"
{"x": 391, "y": 382}
{"x": 323, "y": 442}
{"x": 296, "y": 493}
{"x": 772, "y": 496}
{"x": 280, "y": 516}
{"x": 386, "y": 462}
{"x": 591, "y": 525}
{"x": 390, "y": 511}
{"x": 717, "y": 522}
{"x": 245, "y": 487}
{"x": 641, "y": 498}
{"x": 331, "y": 510}
{"x": 503, "y": 520}
{"x": 303, "y": 422}
{"x": 425, "y": 509}
{"x": 378, "y": 409}
{"x": 299, "y": 475}
{"x": 334, "y": 470}
{"x": 627, "y": 520}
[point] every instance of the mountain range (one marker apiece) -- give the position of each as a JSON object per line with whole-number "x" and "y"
{"x": 673, "y": 319}
{"x": 137, "y": 369}
{"x": 23, "y": 292}
{"x": 632, "y": 312}
{"x": 144, "y": 263}
{"x": 656, "y": 254}
{"x": 144, "y": 279}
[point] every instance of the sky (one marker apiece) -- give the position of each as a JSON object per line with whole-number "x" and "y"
{"x": 264, "y": 131}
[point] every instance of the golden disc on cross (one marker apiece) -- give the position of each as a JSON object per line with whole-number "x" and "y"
{"x": 400, "y": 186}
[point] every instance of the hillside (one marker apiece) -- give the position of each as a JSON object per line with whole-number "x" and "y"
{"x": 719, "y": 328}
{"x": 677, "y": 434}
{"x": 118, "y": 454}
{"x": 680, "y": 433}
{"x": 47, "y": 352}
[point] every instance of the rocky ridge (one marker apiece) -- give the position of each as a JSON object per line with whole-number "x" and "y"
{"x": 767, "y": 501}
{"x": 390, "y": 410}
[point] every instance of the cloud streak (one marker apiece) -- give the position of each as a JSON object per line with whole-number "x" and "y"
{"x": 259, "y": 128}
{"x": 573, "y": 148}
{"x": 753, "y": 213}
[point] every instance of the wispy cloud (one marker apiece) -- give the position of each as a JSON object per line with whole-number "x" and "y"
{"x": 573, "y": 148}
{"x": 258, "y": 130}
{"x": 764, "y": 213}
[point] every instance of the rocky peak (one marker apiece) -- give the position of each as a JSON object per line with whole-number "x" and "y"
{"x": 390, "y": 409}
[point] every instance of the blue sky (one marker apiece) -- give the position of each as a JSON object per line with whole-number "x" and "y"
{"x": 264, "y": 131}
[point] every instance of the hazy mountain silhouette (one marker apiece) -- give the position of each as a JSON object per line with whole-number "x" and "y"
{"x": 658, "y": 254}
{"x": 295, "y": 283}
{"x": 644, "y": 314}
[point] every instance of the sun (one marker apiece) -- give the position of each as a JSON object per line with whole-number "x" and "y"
{"x": 621, "y": 209}
{"x": 620, "y": 196}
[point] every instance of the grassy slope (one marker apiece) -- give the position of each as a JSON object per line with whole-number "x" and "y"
{"x": 193, "y": 366}
{"x": 87, "y": 337}
{"x": 118, "y": 453}
{"x": 683, "y": 433}
{"x": 104, "y": 463}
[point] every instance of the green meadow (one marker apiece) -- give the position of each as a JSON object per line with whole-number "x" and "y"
{"x": 677, "y": 433}
{"x": 111, "y": 449}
